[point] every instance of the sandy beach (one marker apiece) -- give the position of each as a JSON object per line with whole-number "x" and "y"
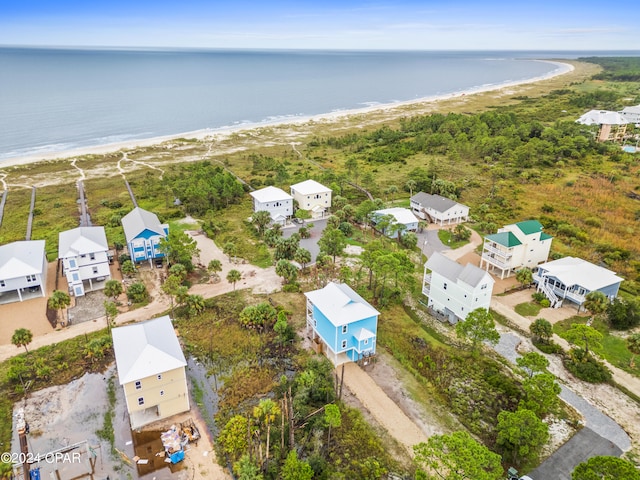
{"x": 223, "y": 133}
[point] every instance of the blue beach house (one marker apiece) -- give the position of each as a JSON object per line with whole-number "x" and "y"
{"x": 344, "y": 324}
{"x": 143, "y": 232}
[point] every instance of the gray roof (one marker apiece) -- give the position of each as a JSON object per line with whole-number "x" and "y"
{"x": 138, "y": 220}
{"x": 145, "y": 349}
{"x": 452, "y": 270}
{"x": 437, "y": 202}
{"x": 602, "y": 117}
{"x": 21, "y": 258}
{"x": 82, "y": 241}
{"x": 340, "y": 304}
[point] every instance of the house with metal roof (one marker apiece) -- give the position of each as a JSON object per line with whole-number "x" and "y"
{"x": 631, "y": 114}
{"x": 274, "y": 200}
{"x": 394, "y": 221}
{"x": 454, "y": 290}
{"x": 83, "y": 252}
{"x": 515, "y": 246}
{"x": 613, "y": 125}
{"x": 343, "y": 324}
{"x": 143, "y": 232}
{"x": 438, "y": 209}
{"x": 151, "y": 370}
{"x": 313, "y": 197}
{"x": 572, "y": 279}
{"x": 23, "y": 271}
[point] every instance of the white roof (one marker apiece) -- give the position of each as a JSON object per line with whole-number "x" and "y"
{"x": 270, "y": 194}
{"x": 19, "y": 259}
{"x": 145, "y": 349}
{"x": 401, "y": 215}
{"x": 602, "y": 117}
{"x": 364, "y": 334}
{"x": 452, "y": 270}
{"x": 634, "y": 110}
{"x": 138, "y": 220}
{"x": 340, "y": 304}
{"x": 309, "y": 187}
{"x": 576, "y": 271}
{"x": 82, "y": 241}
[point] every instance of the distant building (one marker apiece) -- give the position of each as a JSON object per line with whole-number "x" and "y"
{"x": 343, "y": 323}
{"x": 631, "y": 114}
{"x": 401, "y": 216}
{"x": 522, "y": 244}
{"x": 151, "y": 370}
{"x": 23, "y": 271}
{"x": 312, "y": 196}
{"x": 274, "y": 200}
{"x": 613, "y": 125}
{"x": 455, "y": 290}
{"x": 143, "y": 232}
{"x": 572, "y": 279}
{"x": 438, "y": 209}
{"x": 83, "y": 252}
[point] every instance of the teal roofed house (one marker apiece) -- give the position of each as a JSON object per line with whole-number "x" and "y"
{"x": 515, "y": 246}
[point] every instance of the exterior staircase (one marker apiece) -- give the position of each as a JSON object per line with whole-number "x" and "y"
{"x": 548, "y": 292}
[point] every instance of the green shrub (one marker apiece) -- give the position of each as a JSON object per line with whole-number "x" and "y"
{"x": 550, "y": 348}
{"x": 588, "y": 369}
{"x": 538, "y": 297}
{"x": 545, "y": 303}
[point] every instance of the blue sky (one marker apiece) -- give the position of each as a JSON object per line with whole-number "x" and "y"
{"x": 383, "y": 24}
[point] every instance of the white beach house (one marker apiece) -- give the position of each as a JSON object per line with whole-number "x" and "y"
{"x": 23, "y": 271}
{"x": 83, "y": 252}
{"x": 438, "y": 209}
{"x": 274, "y": 200}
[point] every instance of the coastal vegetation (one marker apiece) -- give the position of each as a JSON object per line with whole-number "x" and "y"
{"x": 523, "y": 158}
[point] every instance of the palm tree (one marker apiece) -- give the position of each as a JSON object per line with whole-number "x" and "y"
{"x": 411, "y": 184}
{"x": 58, "y": 301}
{"x": 234, "y": 276}
{"x": 266, "y": 411}
{"x": 214, "y": 267}
{"x": 113, "y": 289}
{"x": 196, "y": 304}
{"x": 633, "y": 345}
{"x": 596, "y": 303}
{"x": 261, "y": 220}
{"x": 21, "y": 338}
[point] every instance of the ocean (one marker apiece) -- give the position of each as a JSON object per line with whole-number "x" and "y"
{"x": 64, "y": 99}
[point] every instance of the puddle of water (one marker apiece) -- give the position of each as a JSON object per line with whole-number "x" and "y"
{"x": 197, "y": 373}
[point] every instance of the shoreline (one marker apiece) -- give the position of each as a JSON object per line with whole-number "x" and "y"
{"x": 221, "y": 133}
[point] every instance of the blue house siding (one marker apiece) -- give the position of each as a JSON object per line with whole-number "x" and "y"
{"x": 325, "y": 329}
{"x": 334, "y": 337}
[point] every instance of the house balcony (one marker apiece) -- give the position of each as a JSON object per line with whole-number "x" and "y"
{"x": 497, "y": 262}
{"x": 426, "y": 285}
{"x": 504, "y": 254}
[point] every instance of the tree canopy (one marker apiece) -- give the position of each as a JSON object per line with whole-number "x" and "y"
{"x": 606, "y": 468}
{"x": 478, "y": 327}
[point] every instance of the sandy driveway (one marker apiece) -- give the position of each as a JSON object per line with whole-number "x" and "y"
{"x": 381, "y": 407}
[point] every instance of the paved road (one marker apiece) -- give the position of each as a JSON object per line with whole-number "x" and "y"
{"x": 600, "y": 436}
{"x": 582, "y": 446}
{"x": 310, "y": 243}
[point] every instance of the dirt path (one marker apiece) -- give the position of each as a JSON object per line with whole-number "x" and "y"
{"x": 381, "y": 407}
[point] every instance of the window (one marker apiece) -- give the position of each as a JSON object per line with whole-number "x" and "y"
{"x": 141, "y": 401}
{"x": 95, "y": 269}
{"x": 445, "y": 286}
{"x": 2, "y": 284}
{"x": 92, "y": 256}
{"x": 344, "y": 344}
{"x": 366, "y": 341}
{"x": 345, "y": 328}
{"x": 138, "y": 385}
{"x": 483, "y": 287}
{"x": 159, "y": 376}
{"x": 162, "y": 393}
{"x": 75, "y": 277}
{"x": 31, "y": 278}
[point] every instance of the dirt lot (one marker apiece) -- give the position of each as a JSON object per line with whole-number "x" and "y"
{"x": 63, "y": 415}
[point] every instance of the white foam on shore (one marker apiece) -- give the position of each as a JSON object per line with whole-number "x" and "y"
{"x": 221, "y": 133}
